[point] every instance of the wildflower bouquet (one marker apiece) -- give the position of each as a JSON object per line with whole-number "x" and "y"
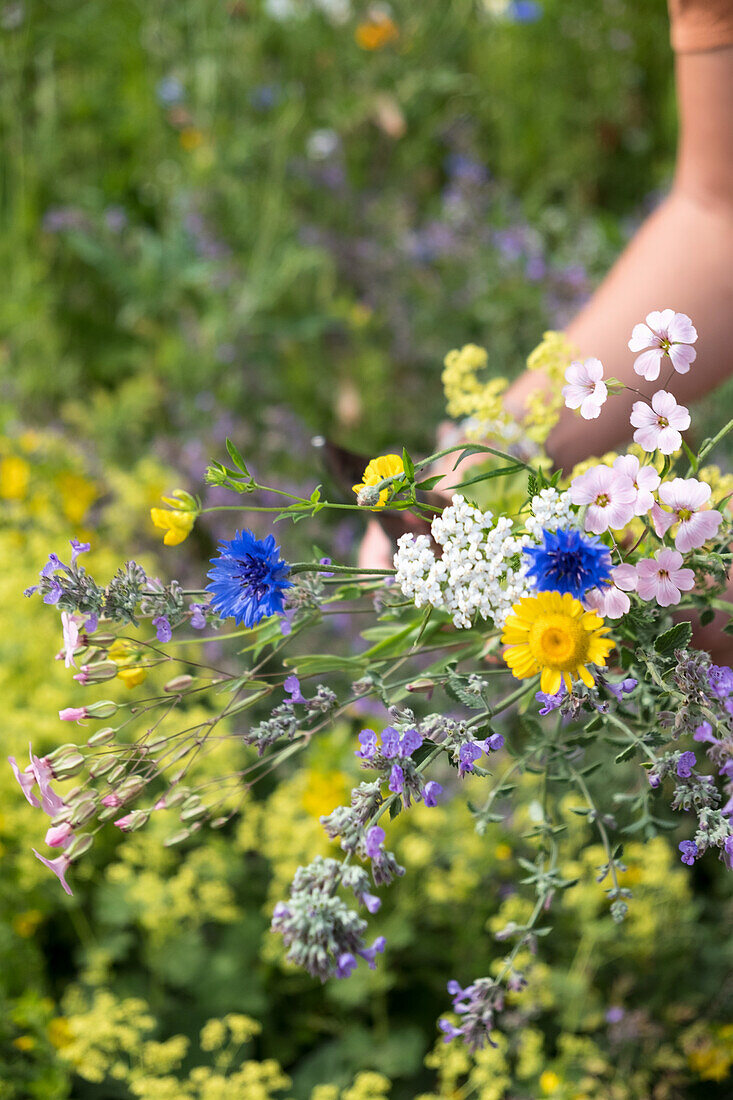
{"x": 545, "y": 649}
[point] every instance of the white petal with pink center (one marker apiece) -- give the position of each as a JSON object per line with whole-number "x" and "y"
{"x": 645, "y": 479}
{"x": 686, "y": 500}
{"x": 610, "y": 497}
{"x": 658, "y": 426}
{"x": 664, "y": 333}
{"x": 662, "y": 578}
{"x": 586, "y": 389}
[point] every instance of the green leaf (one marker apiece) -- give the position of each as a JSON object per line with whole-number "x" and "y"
{"x": 409, "y": 465}
{"x": 626, "y": 753}
{"x": 319, "y": 663}
{"x": 236, "y": 457}
{"x": 429, "y": 483}
{"x": 677, "y": 637}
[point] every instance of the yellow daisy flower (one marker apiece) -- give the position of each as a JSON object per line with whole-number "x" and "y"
{"x": 377, "y": 470}
{"x": 554, "y": 634}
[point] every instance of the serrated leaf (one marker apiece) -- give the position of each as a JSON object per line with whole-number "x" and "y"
{"x": 677, "y": 637}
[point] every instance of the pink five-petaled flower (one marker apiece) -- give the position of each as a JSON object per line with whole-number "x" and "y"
{"x": 686, "y": 497}
{"x": 611, "y": 601}
{"x": 665, "y": 333}
{"x": 59, "y": 866}
{"x": 585, "y": 389}
{"x": 645, "y": 479}
{"x": 610, "y": 497}
{"x": 658, "y": 427}
{"x": 661, "y": 578}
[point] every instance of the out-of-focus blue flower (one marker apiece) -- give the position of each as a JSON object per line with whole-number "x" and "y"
{"x": 569, "y": 562}
{"x": 524, "y": 11}
{"x": 249, "y": 579}
{"x": 163, "y": 630}
{"x": 169, "y": 91}
{"x": 431, "y": 792}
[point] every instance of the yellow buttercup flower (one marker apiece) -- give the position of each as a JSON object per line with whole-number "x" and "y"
{"x": 377, "y": 470}
{"x": 178, "y": 519}
{"x": 554, "y": 634}
{"x": 549, "y": 1082}
{"x": 131, "y": 677}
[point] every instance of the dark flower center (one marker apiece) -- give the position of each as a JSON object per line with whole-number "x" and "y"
{"x": 254, "y": 575}
{"x": 567, "y": 565}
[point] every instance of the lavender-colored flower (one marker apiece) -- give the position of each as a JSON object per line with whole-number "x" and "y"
{"x": 345, "y": 965}
{"x": 467, "y": 756}
{"x": 373, "y": 841}
{"x": 431, "y": 792}
{"x": 162, "y": 629}
{"x": 689, "y": 851}
{"x": 396, "y": 779}
{"x": 615, "y": 1014}
{"x": 292, "y": 686}
{"x": 370, "y": 953}
{"x": 549, "y": 702}
{"x": 685, "y": 764}
{"x": 198, "y": 618}
{"x": 390, "y": 742}
{"x": 494, "y": 742}
{"x": 411, "y": 740}
{"x": 368, "y": 742}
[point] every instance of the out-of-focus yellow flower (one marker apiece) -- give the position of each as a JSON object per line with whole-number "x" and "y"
{"x": 24, "y": 1042}
{"x": 549, "y": 1082}
{"x": 377, "y": 470}
{"x": 77, "y": 495}
{"x": 131, "y": 677}
{"x": 59, "y": 1032}
{"x": 376, "y": 32}
{"x": 467, "y": 395}
{"x": 712, "y": 1057}
{"x": 177, "y": 519}
{"x": 503, "y": 851}
{"x": 324, "y": 791}
{"x": 551, "y": 357}
{"x": 190, "y": 138}
{"x": 25, "y": 924}
{"x": 15, "y": 474}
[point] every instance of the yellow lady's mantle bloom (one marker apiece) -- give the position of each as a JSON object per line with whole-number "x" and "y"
{"x": 377, "y": 470}
{"x": 376, "y": 32}
{"x": 554, "y": 634}
{"x": 178, "y": 519}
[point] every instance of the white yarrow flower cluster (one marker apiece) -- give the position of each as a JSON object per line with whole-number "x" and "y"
{"x": 551, "y": 510}
{"x": 481, "y": 571}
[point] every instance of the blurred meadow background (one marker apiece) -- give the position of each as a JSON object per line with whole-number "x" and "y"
{"x": 269, "y": 220}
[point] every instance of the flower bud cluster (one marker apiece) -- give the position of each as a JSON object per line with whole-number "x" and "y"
{"x": 476, "y": 1006}
{"x": 322, "y": 933}
{"x": 284, "y": 720}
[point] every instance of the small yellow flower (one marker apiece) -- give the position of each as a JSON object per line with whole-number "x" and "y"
{"x": 503, "y": 851}
{"x": 59, "y": 1032}
{"x": 25, "y": 924}
{"x": 190, "y": 138}
{"x": 376, "y": 32}
{"x": 554, "y": 634}
{"x": 131, "y": 677}
{"x": 177, "y": 519}
{"x": 377, "y": 470}
{"x": 15, "y": 473}
{"x": 24, "y": 1042}
{"x": 549, "y": 1082}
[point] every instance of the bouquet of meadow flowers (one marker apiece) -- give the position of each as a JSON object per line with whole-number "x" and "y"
{"x": 548, "y": 637}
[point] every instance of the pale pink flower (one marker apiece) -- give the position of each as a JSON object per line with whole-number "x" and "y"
{"x": 26, "y": 779}
{"x": 611, "y": 601}
{"x": 38, "y": 774}
{"x": 661, "y": 578}
{"x": 58, "y": 836}
{"x": 645, "y": 479}
{"x": 72, "y": 714}
{"x": 59, "y": 866}
{"x": 70, "y": 631}
{"x": 665, "y": 333}
{"x": 125, "y": 822}
{"x": 686, "y": 497}
{"x": 609, "y": 495}
{"x": 112, "y": 799}
{"x": 585, "y": 389}
{"x": 659, "y": 426}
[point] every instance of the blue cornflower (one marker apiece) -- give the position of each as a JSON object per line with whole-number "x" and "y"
{"x": 569, "y": 562}
{"x": 249, "y": 579}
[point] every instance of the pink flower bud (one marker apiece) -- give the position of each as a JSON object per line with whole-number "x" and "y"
{"x": 58, "y": 835}
{"x": 72, "y": 714}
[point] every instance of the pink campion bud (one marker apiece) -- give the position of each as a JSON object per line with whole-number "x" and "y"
{"x": 58, "y": 836}
{"x": 112, "y": 799}
{"x": 96, "y": 673}
{"x": 59, "y": 866}
{"x": 72, "y": 714}
{"x": 130, "y": 821}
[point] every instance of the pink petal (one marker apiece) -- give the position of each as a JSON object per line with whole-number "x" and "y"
{"x": 668, "y": 559}
{"x": 624, "y": 577}
{"x": 593, "y": 369}
{"x": 647, "y": 438}
{"x": 658, "y": 320}
{"x": 627, "y": 465}
{"x": 647, "y": 479}
{"x": 669, "y": 440}
{"x": 642, "y": 416}
{"x": 681, "y": 329}
{"x": 684, "y": 579}
{"x": 619, "y": 514}
{"x": 681, "y": 355}
{"x": 667, "y": 594}
{"x": 664, "y": 403}
{"x": 58, "y": 836}
{"x": 696, "y": 530}
{"x": 26, "y": 779}
{"x": 680, "y": 418}
{"x": 662, "y": 520}
{"x": 649, "y": 363}
{"x": 59, "y": 866}
{"x": 590, "y": 409}
{"x": 574, "y": 395}
{"x": 642, "y": 337}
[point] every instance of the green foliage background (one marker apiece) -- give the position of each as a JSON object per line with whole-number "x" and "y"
{"x": 289, "y": 245}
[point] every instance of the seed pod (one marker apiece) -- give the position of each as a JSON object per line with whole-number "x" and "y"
{"x": 79, "y": 846}
{"x": 178, "y": 683}
{"x": 177, "y": 838}
{"x": 68, "y": 766}
{"x": 101, "y": 766}
{"x": 104, "y": 708}
{"x": 101, "y": 737}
